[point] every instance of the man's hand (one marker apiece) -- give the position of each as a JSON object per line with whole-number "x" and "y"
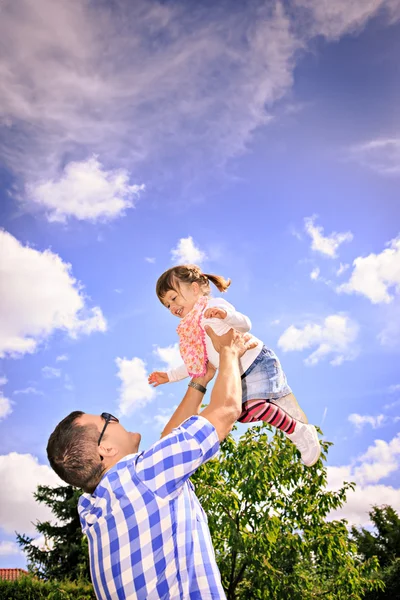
{"x": 157, "y": 378}
{"x": 239, "y": 343}
{"x": 207, "y": 377}
{"x": 215, "y": 313}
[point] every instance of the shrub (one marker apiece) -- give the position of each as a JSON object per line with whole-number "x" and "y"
{"x": 29, "y": 588}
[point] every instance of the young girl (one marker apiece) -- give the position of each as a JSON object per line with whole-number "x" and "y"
{"x": 266, "y": 396}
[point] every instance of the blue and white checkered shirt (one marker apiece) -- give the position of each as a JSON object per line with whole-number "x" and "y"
{"x": 148, "y": 535}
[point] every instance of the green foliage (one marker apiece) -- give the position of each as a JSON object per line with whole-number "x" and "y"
{"x": 30, "y": 588}
{"x": 68, "y": 556}
{"x": 267, "y": 515}
{"x": 383, "y": 543}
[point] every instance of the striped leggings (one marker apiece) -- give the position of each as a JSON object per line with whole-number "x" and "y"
{"x": 264, "y": 410}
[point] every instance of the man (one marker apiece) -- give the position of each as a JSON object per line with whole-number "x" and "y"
{"x": 148, "y": 535}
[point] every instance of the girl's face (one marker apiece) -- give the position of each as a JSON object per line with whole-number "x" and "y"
{"x": 181, "y": 303}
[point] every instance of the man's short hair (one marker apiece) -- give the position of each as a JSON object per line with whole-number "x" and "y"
{"x": 72, "y": 453}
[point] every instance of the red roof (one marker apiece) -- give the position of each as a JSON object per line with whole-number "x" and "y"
{"x": 12, "y": 574}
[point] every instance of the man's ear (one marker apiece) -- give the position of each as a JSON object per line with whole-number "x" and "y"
{"x": 105, "y": 450}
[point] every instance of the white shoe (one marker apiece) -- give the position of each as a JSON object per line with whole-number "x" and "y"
{"x": 305, "y": 438}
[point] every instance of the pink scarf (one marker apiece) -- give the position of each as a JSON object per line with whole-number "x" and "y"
{"x": 192, "y": 342}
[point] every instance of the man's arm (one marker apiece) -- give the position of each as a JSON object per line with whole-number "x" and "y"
{"x": 191, "y": 402}
{"x": 226, "y": 398}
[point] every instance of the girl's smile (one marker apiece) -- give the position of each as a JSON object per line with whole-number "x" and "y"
{"x": 181, "y": 303}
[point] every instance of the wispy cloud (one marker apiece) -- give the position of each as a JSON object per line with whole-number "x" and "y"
{"x": 51, "y": 372}
{"x": 342, "y": 269}
{"x": 325, "y": 244}
{"x": 380, "y": 155}
{"x": 117, "y": 83}
{"x": 62, "y": 358}
{"x": 359, "y": 421}
{"x": 28, "y": 391}
{"x": 147, "y": 80}
{"x": 394, "y": 388}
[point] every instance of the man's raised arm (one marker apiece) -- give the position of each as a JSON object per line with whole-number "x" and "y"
{"x": 191, "y": 402}
{"x": 226, "y": 398}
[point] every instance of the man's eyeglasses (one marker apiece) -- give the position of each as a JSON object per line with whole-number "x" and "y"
{"x": 108, "y": 418}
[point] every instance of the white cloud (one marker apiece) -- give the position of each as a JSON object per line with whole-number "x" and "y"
{"x": 378, "y": 462}
{"x": 51, "y": 372}
{"x": 135, "y": 391}
{"x": 3, "y": 380}
{"x": 39, "y": 295}
{"x": 186, "y": 251}
{"x": 380, "y": 155}
{"x": 169, "y": 355}
{"x": 326, "y": 245}
{"x": 8, "y": 548}
{"x": 376, "y": 275}
{"x": 360, "y": 420}
{"x": 86, "y": 191}
{"x": 62, "y": 358}
{"x": 315, "y": 273}
{"x": 335, "y": 336}
{"x": 30, "y": 390}
{"x": 342, "y": 269}
{"x": 18, "y": 509}
{"x": 150, "y": 259}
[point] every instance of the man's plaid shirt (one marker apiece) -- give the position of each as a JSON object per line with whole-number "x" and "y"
{"x": 148, "y": 535}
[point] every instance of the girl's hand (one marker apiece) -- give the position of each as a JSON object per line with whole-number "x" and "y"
{"x": 157, "y": 378}
{"x": 215, "y": 313}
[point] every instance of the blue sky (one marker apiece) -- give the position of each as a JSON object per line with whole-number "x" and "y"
{"x": 260, "y": 139}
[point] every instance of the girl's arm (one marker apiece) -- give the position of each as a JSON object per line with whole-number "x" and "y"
{"x": 177, "y": 374}
{"x": 234, "y": 318}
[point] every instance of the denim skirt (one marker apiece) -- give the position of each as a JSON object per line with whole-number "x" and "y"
{"x": 264, "y": 379}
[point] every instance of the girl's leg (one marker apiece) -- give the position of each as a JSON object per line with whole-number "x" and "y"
{"x": 303, "y": 435}
{"x": 290, "y": 405}
{"x": 262, "y": 410}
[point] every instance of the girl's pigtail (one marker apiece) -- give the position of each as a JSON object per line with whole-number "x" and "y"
{"x": 220, "y": 282}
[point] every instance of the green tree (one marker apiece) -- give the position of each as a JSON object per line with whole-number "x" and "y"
{"x": 267, "y": 514}
{"x": 67, "y": 556}
{"x": 384, "y": 543}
